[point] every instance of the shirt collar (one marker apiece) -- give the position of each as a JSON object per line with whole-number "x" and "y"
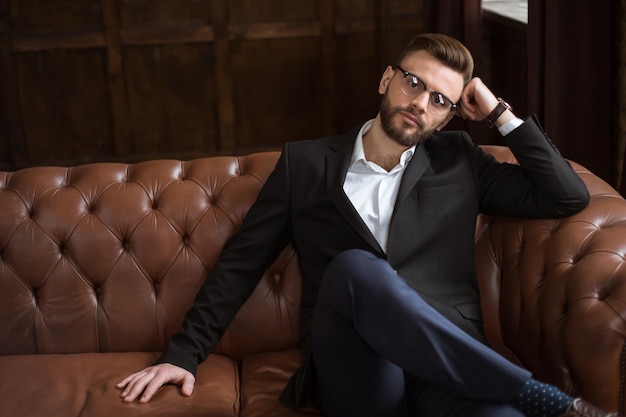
{"x": 358, "y": 153}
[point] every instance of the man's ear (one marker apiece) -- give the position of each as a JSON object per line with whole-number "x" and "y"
{"x": 385, "y": 79}
{"x": 446, "y": 120}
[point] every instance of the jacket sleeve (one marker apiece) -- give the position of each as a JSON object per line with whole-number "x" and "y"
{"x": 543, "y": 185}
{"x": 265, "y": 231}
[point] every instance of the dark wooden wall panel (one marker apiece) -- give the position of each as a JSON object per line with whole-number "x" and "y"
{"x": 171, "y": 107}
{"x": 402, "y": 17}
{"x": 356, "y": 9}
{"x": 138, "y": 79}
{"x": 6, "y": 148}
{"x": 358, "y": 76}
{"x": 278, "y": 91}
{"x": 158, "y": 12}
{"x": 54, "y": 16}
{"x": 65, "y": 104}
{"x": 357, "y": 61}
{"x": 255, "y": 11}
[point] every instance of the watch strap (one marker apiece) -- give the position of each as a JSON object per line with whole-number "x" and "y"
{"x": 497, "y": 112}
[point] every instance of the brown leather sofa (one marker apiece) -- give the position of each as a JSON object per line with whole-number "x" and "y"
{"x": 99, "y": 263}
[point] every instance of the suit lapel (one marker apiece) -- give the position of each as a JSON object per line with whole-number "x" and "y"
{"x": 417, "y": 166}
{"x": 337, "y": 163}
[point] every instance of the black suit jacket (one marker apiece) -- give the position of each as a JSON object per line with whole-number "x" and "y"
{"x": 447, "y": 183}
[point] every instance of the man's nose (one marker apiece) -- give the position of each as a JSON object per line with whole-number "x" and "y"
{"x": 421, "y": 101}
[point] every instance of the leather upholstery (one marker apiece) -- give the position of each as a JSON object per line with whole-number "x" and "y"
{"x": 100, "y": 262}
{"x": 554, "y": 292}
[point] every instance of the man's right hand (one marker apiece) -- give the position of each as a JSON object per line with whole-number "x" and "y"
{"x": 144, "y": 384}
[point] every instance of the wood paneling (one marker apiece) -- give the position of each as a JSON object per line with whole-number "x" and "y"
{"x": 137, "y": 79}
{"x": 65, "y": 104}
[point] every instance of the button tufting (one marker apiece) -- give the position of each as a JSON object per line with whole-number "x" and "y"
{"x": 277, "y": 278}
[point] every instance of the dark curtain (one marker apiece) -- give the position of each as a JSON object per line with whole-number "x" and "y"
{"x": 461, "y": 19}
{"x": 569, "y": 61}
{"x": 576, "y": 74}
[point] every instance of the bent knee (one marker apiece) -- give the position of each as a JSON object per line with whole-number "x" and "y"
{"x": 351, "y": 256}
{"x": 349, "y": 261}
{"x": 355, "y": 265}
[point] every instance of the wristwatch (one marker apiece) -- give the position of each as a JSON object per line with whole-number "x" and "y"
{"x": 497, "y": 112}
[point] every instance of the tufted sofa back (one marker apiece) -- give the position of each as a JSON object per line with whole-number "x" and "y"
{"x": 108, "y": 257}
{"x": 554, "y": 292}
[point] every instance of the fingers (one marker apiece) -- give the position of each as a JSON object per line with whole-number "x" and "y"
{"x": 467, "y": 109}
{"x": 477, "y": 101}
{"x": 149, "y": 390}
{"x": 131, "y": 386}
{"x": 188, "y": 384}
{"x": 125, "y": 381}
{"x": 143, "y": 385}
{"x": 137, "y": 384}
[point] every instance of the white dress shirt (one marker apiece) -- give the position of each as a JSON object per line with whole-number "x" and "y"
{"x": 373, "y": 191}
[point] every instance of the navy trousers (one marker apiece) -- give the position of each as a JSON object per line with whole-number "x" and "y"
{"x": 380, "y": 350}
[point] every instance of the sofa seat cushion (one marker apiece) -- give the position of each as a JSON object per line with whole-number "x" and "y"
{"x": 84, "y": 385}
{"x": 263, "y": 377}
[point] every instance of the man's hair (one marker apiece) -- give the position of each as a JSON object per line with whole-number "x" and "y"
{"x": 445, "y": 49}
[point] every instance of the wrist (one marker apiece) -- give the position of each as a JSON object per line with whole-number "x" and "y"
{"x": 504, "y": 118}
{"x": 510, "y": 126}
{"x": 501, "y": 114}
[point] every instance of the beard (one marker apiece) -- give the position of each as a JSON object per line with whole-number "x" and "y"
{"x": 398, "y": 133}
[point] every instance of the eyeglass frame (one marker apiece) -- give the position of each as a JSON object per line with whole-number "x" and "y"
{"x": 405, "y": 73}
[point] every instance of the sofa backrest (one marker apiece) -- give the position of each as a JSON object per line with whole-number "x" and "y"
{"x": 108, "y": 256}
{"x": 552, "y": 291}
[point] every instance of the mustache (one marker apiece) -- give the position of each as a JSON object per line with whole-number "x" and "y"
{"x": 409, "y": 110}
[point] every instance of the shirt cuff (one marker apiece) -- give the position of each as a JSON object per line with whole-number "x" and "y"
{"x": 510, "y": 126}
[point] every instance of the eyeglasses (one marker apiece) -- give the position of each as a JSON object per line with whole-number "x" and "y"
{"x": 413, "y": 86}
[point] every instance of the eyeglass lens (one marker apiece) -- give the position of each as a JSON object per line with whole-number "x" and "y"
{"x": 412, "y": 86}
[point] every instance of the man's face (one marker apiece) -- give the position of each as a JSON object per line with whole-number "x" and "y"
{"x": 409, "y": 120}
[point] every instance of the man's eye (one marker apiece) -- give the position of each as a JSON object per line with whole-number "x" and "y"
{"x": 438, "y": 100}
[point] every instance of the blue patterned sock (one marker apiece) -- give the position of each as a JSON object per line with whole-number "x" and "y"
{"x": 538, "y": 399}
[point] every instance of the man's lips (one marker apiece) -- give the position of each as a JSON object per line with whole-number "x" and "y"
{"x": 411, "y": 119}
